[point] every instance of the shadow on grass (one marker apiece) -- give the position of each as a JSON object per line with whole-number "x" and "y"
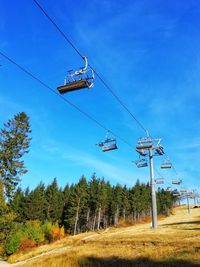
{"x": 193, "y": 224}
{"x": 138, "y": 262}
{"x": 193, "y": 229}
{"x": 180, "y": 223}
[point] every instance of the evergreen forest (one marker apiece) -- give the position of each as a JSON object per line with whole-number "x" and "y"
{"x": 48, "y": 212}
{"x": 87, "y": 206}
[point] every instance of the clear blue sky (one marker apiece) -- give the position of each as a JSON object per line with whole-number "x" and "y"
{"x": 147, "y": 51}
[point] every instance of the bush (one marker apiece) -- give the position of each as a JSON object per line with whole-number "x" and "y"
{"x": 34, "y": 231}
{"x": 24, "y": 236}
{"x": 31, "y": 234}
{"x": 26, "y": 244}
{"x": 2, "y": 250}
{"x": 46, "y": 228}
{"x": 56, "y": 232}
{"x": 14, "y": 241}
{"x": 6, "y": 223}
{"x": 52, "y": 232}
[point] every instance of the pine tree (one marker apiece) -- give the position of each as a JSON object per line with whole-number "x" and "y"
{"x": 66, "y": 195}
{"x": 134, "y": 201}
{"x": 125, "y": 202}
{"x": 2, "y": 197}
{"x": 108, "y": 209}
{"x": 164, "y": 201}
{"x": 83, "y": 210}
{"x": 93, "y": 200}
{"x": 14, "y": 143}
{"x": 55, "y": 203}
{"x": 101, "y": 201}
{"x": 16, "y": 204}
{"x": 74, "y": 210}
{"x": 34, "y": 205}
{"x": 116, "y": 203}
{"x": 145, "y": 199}
{"x": 6, "y": 216}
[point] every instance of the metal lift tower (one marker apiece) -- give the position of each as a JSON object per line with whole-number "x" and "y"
{"x": 148, "y": 146}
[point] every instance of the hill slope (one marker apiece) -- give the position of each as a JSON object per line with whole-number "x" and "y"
{"x": 175, "y": 243}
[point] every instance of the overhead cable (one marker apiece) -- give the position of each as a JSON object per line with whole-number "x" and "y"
{"x": 63, "y": 98}
{"x": 97, "y": 74}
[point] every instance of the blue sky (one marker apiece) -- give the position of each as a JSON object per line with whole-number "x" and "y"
{"x": 147, "y": 51}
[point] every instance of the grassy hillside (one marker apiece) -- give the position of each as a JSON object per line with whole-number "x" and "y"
{"x": 175, "y": 243}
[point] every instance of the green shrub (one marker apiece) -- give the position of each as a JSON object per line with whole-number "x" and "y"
{"x": 52, "y": 232}
{"x": 14, "y": 240}
{"x": 46, "y": 228}
{"x": 34, "y": 231}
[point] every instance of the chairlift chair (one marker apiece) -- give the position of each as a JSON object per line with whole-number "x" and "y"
{"x": 141, "y": 152}
{"x": 190, "y": 195}
{"x": 176, "y": 194}
{"x": 183, "y": 190}
{"x": 108, "y": 144}
{"x": 176, "y": 181}
{"x": 159, "y": 151}
{"x": 78, "y": 80}
{"x": 140, "y": 163}
{"x": 144, "y": 143}
{"x": 166, "y": 164}
{"x": 160, "y": 181}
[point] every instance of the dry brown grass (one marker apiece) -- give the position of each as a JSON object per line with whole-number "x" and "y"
{"x": 175, "y": 243}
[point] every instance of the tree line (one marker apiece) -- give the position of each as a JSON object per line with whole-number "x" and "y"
{"x": 87, "y": 205}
